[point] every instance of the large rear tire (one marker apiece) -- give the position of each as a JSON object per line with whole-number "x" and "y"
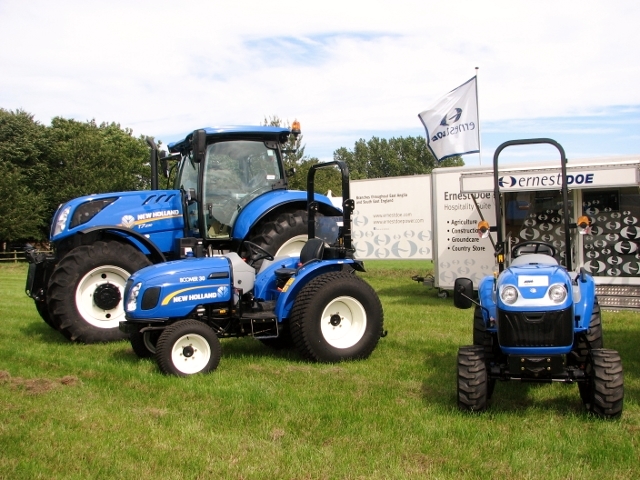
{"x": 473, "y": 382}
{"x": 188, "y": 347}
{"x": 86, "y": 289}
{"x": 337, "y": 316}
{"x": 604, "y": 389}
{"x": 286, "y": 235}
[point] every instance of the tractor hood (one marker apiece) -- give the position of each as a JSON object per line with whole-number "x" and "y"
{"x": 174, "y": 289}
{"x": 541, "y": 287}
{"x": 142, "y": 211}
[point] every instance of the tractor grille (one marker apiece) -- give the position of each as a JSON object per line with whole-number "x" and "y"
{"x": 535, "y": 329}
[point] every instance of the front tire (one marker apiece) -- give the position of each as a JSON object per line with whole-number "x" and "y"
{"x": 588, "y": 340}
{"x": 336, "y": 317}
{"x": 145, "y": 343}
{"x": 86, "y": 288}
{"x": 473, "y": 383}
{"x": 604, "y": 390}
{"x": 188, "y": 347}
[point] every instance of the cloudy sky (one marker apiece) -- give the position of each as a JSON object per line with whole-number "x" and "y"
{"x": 346, "y": 70}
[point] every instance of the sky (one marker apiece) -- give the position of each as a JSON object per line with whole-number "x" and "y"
{"x": 347, "y": 70}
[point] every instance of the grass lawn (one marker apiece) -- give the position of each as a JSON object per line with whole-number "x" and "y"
{"x": 97, "y": 411}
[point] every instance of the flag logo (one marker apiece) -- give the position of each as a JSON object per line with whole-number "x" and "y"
{"x": 452, "y": 125}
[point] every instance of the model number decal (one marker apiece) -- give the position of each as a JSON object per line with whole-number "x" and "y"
{"x": 200, "y": 278}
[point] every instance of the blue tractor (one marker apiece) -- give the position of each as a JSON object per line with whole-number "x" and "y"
{"x": 177, "y": 311}
{"x": 230, "y": 187}
{"x": 536, "y": 320}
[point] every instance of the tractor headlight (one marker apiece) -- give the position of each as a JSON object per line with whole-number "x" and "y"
{"x": 557, "y": 293}
{"x": 61, "y": 221}
{"x": 132, "y": 300}
{"x": 509, "y": 294}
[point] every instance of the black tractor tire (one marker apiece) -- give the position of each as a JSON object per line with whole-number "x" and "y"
{"x": 85, "y": 292}
{"x": 473, "y": 381}
{"x": 282, "y": 235}
{"x": 603, "y": 393}
{"x": 188, "y": 347}
{"x": 282, "y": 342}
{"x": 43, "y": 311}
{"x": 336, "y": 316}
{"x": 145, "y": 344}
{"x": 588, "y": 340}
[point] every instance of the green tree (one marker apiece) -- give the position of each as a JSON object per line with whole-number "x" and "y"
{"x": 379, "y": 158}
{"x": 295, "y": 159}
{"x": 85, "y": 158}
{"x": 23, "y": 177}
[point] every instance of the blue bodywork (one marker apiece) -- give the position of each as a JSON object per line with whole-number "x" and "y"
{"x": 180, "y": 286}
{"x": 159, "y": 216}
{"x": 579, "y": 300}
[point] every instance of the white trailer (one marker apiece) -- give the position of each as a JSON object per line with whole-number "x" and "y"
{"x": 605, "y": 189}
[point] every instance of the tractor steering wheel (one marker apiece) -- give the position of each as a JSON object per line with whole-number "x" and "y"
{"x": 538, "y": 247}
{"x": 256, "y": 253}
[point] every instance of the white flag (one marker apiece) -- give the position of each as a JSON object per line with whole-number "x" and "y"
{"x": 452, "y": 124}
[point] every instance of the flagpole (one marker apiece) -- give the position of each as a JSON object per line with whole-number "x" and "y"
{"x": 478, "y": 107}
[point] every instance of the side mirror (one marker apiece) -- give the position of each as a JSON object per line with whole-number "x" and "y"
{"x": 462, "y": 293}
{"x": 199, "y": 145}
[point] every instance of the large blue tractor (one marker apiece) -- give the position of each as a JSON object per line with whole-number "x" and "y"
{"x": 177, "y": 311}
{"x": 230, "y": 187}
{"x": 536, "y": 320}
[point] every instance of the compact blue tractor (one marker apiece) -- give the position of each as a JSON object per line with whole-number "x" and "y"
{"x": 230, "y": 187}
{"x": 536, "y": 320}
{"x": 177, "y": 311}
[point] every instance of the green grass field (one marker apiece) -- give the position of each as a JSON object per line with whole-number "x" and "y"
{"x": 97, "y": 411}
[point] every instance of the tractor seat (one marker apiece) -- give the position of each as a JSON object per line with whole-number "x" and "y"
{"x": 533, "y": 259}
{"x": 312, "y": 251}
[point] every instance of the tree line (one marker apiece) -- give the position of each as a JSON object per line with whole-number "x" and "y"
{"x": 44, "y": 166}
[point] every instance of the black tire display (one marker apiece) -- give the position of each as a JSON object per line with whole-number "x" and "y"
{"x": 144, "y": 344}
{"x": 604, "y": 390}
{"x": 336, "y": 316}
{"x": 473, "y": 383}
{"x": 188, "y": 347}
{"x": 85, "y": 292}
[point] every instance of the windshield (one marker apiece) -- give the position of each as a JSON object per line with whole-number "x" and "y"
{"x": 235, "y": 172}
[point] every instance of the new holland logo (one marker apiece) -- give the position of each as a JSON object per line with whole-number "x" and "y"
{"x": 507, "y": 182}
{"x": 630, "y": 220}
{"x": 128, "y": 221}
{"x": 595, "y": 266}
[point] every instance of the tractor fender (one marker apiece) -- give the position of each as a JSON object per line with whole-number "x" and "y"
{"x": 583, "y": 307}
{"x": 263, "y": 205}
{"x": 305, "y": 274}
{"x": 138, "y": 241}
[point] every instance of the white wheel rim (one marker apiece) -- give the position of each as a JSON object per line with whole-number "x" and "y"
{"x": 292, "y": 247}
{"x": 343, "y": 322}
{"x": 85, "y": 304}
{"x": 190, "y": 354}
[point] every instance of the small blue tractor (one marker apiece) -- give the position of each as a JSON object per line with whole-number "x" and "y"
{"x": 177, "y": 311}
{"x": 230, "y": 187}
{"x": 536, "y": 320}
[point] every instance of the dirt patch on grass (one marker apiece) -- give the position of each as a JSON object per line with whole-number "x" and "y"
{"x": 37, "y": 386}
